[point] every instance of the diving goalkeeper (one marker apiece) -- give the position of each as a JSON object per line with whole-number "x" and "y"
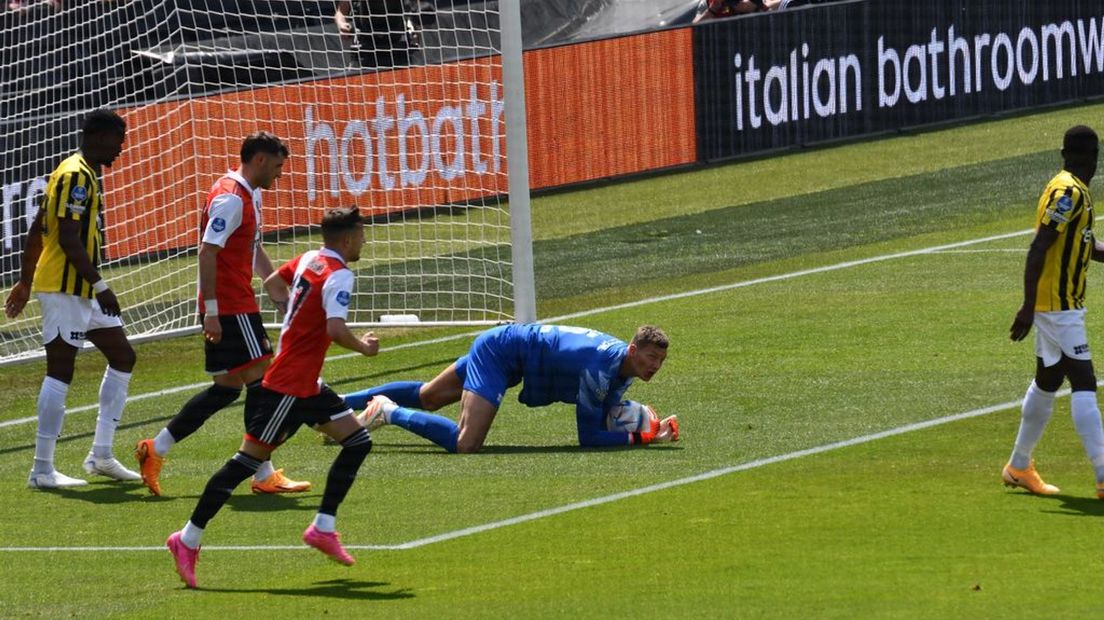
{"x": 553, "y": 363}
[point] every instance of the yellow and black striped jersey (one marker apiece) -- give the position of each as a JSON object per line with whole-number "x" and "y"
{"x": 73, "y": 192}
{"x": 1065, "y": 206}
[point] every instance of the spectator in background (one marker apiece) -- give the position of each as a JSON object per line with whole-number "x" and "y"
{"x": 375, "y": 31}
{"x": 729, "y": 8}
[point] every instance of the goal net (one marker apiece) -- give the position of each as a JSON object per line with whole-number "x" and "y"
{"x": 395, "y": 106}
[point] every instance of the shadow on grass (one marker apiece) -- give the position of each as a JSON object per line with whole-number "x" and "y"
{"x": 103, "y": 492}
{"x": 417, "y": 448}
{"x": 121, "y": 492}
{"x": 333, "y": 588}
{"x": 1076, "y": 506}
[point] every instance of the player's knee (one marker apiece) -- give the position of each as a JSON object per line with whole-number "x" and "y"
{"x": 358, "y": 441}
{"x": 468, "y": 445}
{"x": 123, "y": 359}
{"x": 431, "y": 400}
{"x": 1080, "y": 374}
{"x": 1083, "y": 382}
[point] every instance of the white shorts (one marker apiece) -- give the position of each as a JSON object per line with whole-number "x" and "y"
{"x": 1061, "y": 333}
{"x": 72, "y": 317}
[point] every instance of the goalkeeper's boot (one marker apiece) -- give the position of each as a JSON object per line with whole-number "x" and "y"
{"x": 1100, "y": 490}
{"x": 328, "y": 543}
{"x": 376, "y": 413}
{"x": 1027, "y": 479}
{"x": 149, "y": 462}
{"x": 279, "y": 483}
{"x": 185, "y": 558}
{"x": 109, "y": 467}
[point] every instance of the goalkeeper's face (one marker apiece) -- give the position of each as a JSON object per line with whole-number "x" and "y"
{"x": 646, "y": 360}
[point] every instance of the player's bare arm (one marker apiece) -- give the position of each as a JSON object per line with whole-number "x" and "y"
{"x": 262, "y": 267}
{"x": 277, "y": 289}
{"x": 208, "y": 276}
{"x": 32, "y": 249}
{"x": 69, "y": 240}
{"x": 1033, "y": 268}
{"x": 339, "y": 332}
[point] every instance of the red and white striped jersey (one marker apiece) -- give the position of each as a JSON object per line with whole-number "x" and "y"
{"x": 232, "y": 220}
{"x": 321, "y": 289}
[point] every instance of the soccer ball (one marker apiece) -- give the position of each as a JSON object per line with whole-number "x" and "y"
{"x": 632, "y": 417}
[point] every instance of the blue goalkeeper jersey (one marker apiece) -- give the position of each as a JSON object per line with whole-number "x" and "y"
{"x": 568, "y": 365}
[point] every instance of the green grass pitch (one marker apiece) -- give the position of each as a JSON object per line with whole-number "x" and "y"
{"x": 832, "y": 315}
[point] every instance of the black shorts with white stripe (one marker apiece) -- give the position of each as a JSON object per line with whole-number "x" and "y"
{"x": 244, "y": 343}
{"x": 271, "y": 418}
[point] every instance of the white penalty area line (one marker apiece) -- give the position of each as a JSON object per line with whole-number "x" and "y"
{"x": 598, "y": 501}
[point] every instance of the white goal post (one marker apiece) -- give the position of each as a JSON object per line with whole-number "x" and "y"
{"x": 410, "y": 112}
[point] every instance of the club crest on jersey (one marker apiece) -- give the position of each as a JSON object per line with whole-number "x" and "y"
{"x": 343, "y": 298}
{"x": 218, "y": 224}
{"x": 79, "y": 193}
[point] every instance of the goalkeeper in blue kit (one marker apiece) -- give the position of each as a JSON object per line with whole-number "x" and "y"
{"x": 553, "y": 363}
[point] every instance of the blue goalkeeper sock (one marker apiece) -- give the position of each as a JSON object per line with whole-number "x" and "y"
{"x": 438, "y": 429}
{"x": 404, "y": 393}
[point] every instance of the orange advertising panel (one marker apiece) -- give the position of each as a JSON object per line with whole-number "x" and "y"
{"x": 408, "y": 138}
{"x": 610, "y": 108}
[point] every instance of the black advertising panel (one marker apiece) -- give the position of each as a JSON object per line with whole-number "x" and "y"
{"x": 777, "y": 80}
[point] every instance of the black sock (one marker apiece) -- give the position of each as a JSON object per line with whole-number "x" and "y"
{"x": 221, "y": 485}
{"x": 343, "y": 472}
{"x": 201, "y": 406}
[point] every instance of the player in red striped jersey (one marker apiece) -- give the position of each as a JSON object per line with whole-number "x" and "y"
{"x": 319, "y": 286}
{"x": 237, "y": 348}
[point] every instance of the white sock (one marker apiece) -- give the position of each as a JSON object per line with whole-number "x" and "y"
{"x": 51, "y": 415}
{"x": 264, "y": 471}
{"x": 388, "y": 408}
{"x": 325, "y": 523}
{"x": 113, "y": 393}
{"x": 1086, "y": 419}
{"x": 1034, "y": 415}
{"x": 163, "y": 442}
{"x": 191, "y": 535}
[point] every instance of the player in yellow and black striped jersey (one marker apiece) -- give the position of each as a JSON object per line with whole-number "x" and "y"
{"x": 1054, "y": 294}
{"x": 1065, "y": 207}
{"x": 73, "y": 193}
{"x": 61, "y": 255}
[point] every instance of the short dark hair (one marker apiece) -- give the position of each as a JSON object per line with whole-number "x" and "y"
{"x": 262, "y": 142}
{"x": 650, "y": 335}
{"x": 340, "y": 220}
{"x": 1080, "y": 140}
{"x": 103, "y": 121}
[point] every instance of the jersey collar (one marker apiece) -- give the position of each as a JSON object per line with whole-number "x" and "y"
{"x": 234, "y": 174}
{"x": 328, "y": 252}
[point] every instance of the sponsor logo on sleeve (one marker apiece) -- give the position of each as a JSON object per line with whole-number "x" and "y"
{"x": 1059, "y": 211}
{"x": 1065, "y": 204}
{"x": 343, "y": 298}
{"x": 218, "y": 224}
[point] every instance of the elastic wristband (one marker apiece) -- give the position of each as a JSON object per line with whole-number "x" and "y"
{"x": 99, "y": 286}
{"x": 210, "y": 306}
